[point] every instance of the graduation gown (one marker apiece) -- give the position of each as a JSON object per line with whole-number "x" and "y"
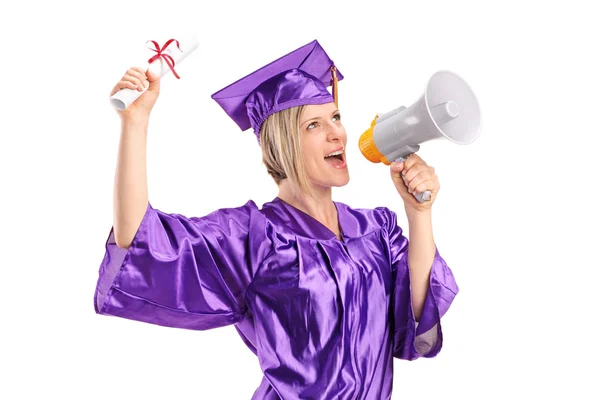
{"x": 325, "y": 317}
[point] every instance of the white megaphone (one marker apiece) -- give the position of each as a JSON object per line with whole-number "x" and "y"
{"x": 448, "y": 109}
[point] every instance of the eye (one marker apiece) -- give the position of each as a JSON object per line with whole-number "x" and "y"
{"x": 312, "y": 125}
{"x": 337, "y": 116}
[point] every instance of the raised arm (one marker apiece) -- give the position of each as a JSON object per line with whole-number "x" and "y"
{"x": 130, "y": 196}
{"x": 436, "y": 289}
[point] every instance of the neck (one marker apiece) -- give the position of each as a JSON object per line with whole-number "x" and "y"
{"x": 321, "y": 207}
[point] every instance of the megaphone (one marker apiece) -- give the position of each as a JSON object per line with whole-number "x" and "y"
{"x": 448, "y": 109}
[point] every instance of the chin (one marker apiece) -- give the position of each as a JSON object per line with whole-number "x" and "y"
{"x": 334, "y": 182}
{"x": 329, "y": 179}
{"x": 340, "y": 181}
{"x": 344, "y": 182}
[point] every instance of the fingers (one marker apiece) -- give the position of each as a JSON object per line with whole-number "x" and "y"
{"x": 396, "y": 168}
{"x": 410, "y": 173}
{"x": 135, "y": 79}
{"x": 421, "y": 182}
{"x": 417, "y": 175}
{"x": 152, "y": 76}
{"x": 123, "y": 85}
{"x": 412, "y": 160}
{"x": 154, "y": 80}
{"x": 408, "y": 163}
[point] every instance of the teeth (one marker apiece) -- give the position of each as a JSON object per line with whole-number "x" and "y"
{"x": 335, "y": 153}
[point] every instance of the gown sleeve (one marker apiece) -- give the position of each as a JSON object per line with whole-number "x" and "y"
{"x": 179, "y": 272}
{"x": 413, "y": 340}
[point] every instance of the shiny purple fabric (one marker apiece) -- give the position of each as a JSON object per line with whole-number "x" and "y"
{"x": 289, "y": 89}
{"x": 300, "y": 77}
{"x": 325, "y": 317}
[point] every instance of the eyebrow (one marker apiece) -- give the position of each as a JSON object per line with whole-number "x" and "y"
{"x": 337, "y": 111}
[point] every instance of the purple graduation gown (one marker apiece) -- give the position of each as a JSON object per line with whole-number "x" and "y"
{"x": 325, "y": 317}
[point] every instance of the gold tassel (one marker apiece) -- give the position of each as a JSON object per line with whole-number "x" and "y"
{"x": 334, "y": 83}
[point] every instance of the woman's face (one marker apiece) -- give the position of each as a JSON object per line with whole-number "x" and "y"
{"x": 322, "y": 134}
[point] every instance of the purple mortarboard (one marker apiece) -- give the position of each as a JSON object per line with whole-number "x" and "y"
{"x": 298, "y": 78}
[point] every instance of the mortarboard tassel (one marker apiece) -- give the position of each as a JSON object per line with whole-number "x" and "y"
{"x": 334, "y": 84}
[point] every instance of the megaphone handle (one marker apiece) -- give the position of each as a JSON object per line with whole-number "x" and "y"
{"x": 421, "y": 197}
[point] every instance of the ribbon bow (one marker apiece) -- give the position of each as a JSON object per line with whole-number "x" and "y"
{"x": 159, "y": 53}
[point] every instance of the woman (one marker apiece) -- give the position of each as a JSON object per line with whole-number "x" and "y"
{"x": 325, "y": 295}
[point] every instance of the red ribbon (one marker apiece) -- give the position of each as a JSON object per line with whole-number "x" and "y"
{"x": 159, "y": 53}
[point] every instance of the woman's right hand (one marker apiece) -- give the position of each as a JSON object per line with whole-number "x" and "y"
{"x": 137, "y": 79}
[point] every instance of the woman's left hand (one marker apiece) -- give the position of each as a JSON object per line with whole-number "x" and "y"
{"x": 419, "y": 178}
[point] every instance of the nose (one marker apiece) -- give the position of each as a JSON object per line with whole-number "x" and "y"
{"x": 335, "y": 131}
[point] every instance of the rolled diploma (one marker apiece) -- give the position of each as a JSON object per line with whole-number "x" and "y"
{"x": 124, "y": 97}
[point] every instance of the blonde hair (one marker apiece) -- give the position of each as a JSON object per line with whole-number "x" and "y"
{"x": 280, "y": 141}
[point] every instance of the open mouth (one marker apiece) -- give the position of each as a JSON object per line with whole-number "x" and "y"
{"x": 335, "y": 158}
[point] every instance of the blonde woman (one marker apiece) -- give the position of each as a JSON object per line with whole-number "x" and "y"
{"x": 324, "y": 294}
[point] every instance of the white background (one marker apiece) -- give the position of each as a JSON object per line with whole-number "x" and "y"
{"x": 516, "y": 218}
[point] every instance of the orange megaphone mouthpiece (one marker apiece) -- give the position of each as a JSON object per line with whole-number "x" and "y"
{"x": 368, "y": 148}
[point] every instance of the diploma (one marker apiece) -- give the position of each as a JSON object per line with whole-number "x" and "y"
{"x": 166, "y": 58}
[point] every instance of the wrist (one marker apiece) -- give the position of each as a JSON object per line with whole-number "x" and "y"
{"x": 418, "y": 215}
{"x": 135, "y": 122}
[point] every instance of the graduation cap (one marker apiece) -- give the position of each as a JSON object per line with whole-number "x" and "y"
{"x": 298, "y": 78}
